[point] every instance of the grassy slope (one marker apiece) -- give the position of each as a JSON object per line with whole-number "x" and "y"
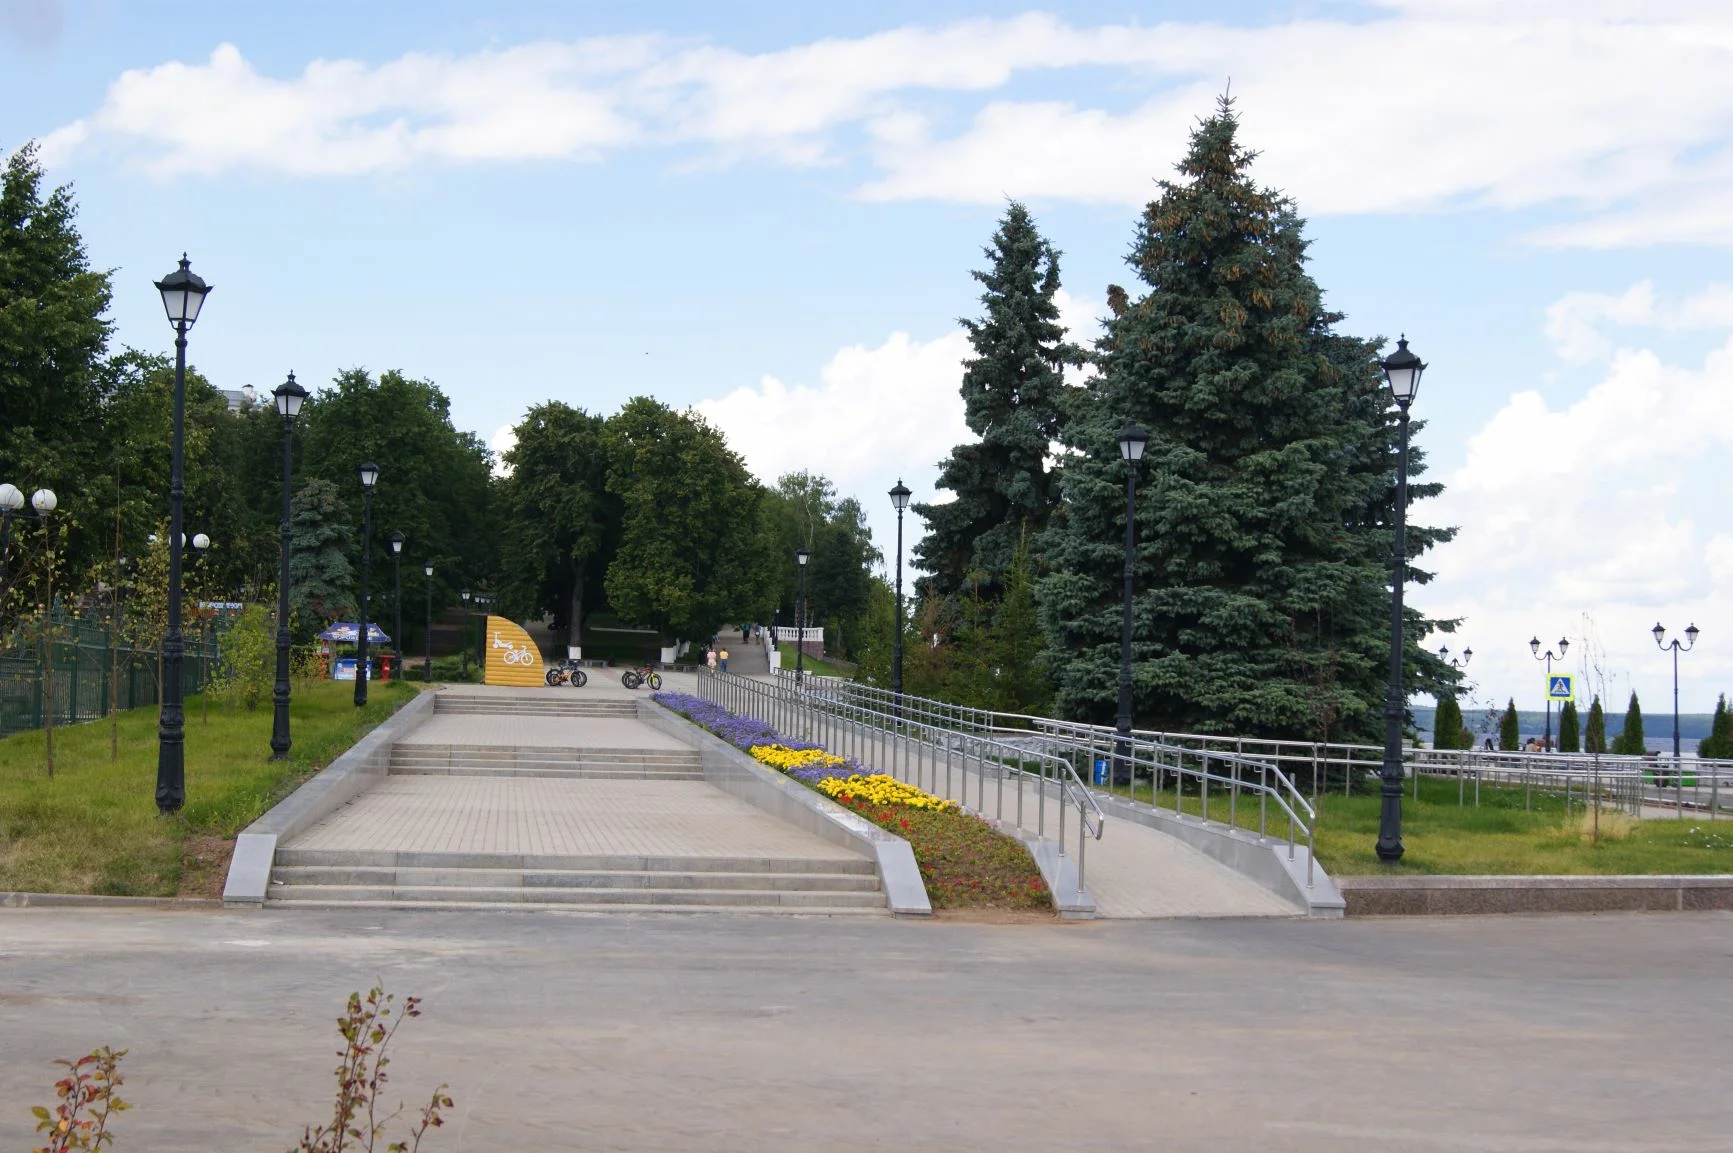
{"x": 94, "y": 828}
{"x": 1499, "y": 837}
{"x": 809, "y": 664}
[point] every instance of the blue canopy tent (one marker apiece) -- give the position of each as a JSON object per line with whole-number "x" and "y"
{"x": 348, "y": 632}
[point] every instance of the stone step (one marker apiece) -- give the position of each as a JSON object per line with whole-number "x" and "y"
{"x": 611, "y": 910}
{"x": 570, "y": 772}
{"x": 522, "y": 706}
{"x": 530, "y": 895}
{"x": 521, "y": 754}
{"x": 288, "y": 877}
{"x": 592, "y": 863}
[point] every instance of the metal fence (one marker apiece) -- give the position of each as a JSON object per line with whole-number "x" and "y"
{"x": 90, "y": 674}
{"x": 1038, "y": 792}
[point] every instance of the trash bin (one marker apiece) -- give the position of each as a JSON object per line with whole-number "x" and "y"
{"x": 1101, "y": 770}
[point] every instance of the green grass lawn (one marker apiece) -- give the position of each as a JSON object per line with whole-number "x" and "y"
{"x": 1499, "y": 837}
{"x": 94, "y": 827}
{"x": 817, "y": 666}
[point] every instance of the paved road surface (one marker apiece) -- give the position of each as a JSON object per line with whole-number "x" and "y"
{"x": 758, "y": 1034}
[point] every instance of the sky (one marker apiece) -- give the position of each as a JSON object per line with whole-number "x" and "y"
{"x": 769, "y": 212}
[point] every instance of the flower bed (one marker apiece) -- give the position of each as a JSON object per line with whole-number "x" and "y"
{"x": 964, "y": 861}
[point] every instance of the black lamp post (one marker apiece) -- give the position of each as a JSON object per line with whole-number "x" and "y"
{"x": 480, "y": 602}
{"x": 11, "y": 500}
{"x": 1662, "y": 643}
{"x": 397, "y": 601}
{"x": 427, "y": 633}
{"x": 1549, "y": 657}
{"x": 1132, "y": 441}
{"x": 45, "y": 502}
{"x": 1453, "y": 662}
{"x": 900, "y": 501}
{"x": 369, "y": 478}
{"x": 183, "y": 294}
{"x": 800, "y": 557}
{"x": 200, "y": 543}
{"x": 289, "y": 397}
{"x": 465, "y": 639}
{"x": 1402, "y": 371}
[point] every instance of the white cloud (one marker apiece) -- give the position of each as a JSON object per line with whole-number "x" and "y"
{"x": 1616, "y": 109}
{"x": 1574, "y": 322}
{"x": 1610, "y": 506}
{"x": 504, "y": 439}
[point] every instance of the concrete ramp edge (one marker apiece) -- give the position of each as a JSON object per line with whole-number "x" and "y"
{"x": 739, "y": 775}
{"x": 362, "y": 766}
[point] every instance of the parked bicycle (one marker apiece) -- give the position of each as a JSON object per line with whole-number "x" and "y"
{"x": 566, "y": 672}
{"x": 643, "y": 674}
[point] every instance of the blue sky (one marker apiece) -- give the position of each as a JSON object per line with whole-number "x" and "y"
{"x": 769, "y": 212}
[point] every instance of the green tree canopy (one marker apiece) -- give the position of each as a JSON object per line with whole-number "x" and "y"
{"x": 803, "y": 510}
{"x": 1265, "y": 525}
{"x": 690, "y": 556}
{"x": 1569, "y": 729}
{"x": 321, "y": 579}
{"x": 1448, "y": 731}
{"x": 1509, "y": 728}
{"x": 559, "y": 522}
{"x": 1015, "y": 402}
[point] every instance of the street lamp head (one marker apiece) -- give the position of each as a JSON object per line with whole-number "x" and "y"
{"x": 465, "y": 594}
{"x": 1691, "y": 632}
{"x": 1132, "y": 440}
{"x": 1563, "y": 645}
{"x": 800, "y": 556}
{"x": 201, "y": 541}
{"x": 183, "y": 294}
{"x": 900, "y": 496}
{"x": 1443, "y": 652}
{"x": 290, "y": 397}
{"x": 396, "y": 543}
{"x": 1534, "y": 645}
{"x": 1467, "y": 655}
{"x": 1660, "y": 635}
{"x": 1402, "y": 370}
{"x": 44, "y": 501}
{"x": 11, "y": 499}
{"x": 427, "y": 570}
{"x": 369, "y": 475}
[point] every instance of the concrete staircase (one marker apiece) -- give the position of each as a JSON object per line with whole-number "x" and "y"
{"x": 586, "y": 763}
{"x": 311, "y": 878}
{"x": 548, "y": 704}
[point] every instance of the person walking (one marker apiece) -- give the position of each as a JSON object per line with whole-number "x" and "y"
{"x": 710, "y": 658}
{"x": 723, "y": 658}
{"x": 745, "y": 633}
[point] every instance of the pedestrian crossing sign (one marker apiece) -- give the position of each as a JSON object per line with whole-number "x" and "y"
{"x": 1558, "y": 687}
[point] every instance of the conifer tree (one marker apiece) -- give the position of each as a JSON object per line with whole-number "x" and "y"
{"x": 1631, "y": 741}
{"x": 1447, "y": 730}
{"x": 1718, "y": 745}
{"x": 1569, "y": 729}
{"x": 1595, "y": 732}
{"x": 321, "y": 579}
{"x": 1509, "y": 728}
{"x": 1264, "y": 516}
{"x": 1014, "y": 401}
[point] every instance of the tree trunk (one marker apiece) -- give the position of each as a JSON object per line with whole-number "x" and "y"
{"x": 576, "y": 639}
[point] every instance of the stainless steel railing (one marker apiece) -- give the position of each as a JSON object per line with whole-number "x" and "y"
{"x": 943, "y": 760}
{"x": 1225, "y": 779}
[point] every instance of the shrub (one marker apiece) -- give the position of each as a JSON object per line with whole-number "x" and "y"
{"x": 1509, "y": 728}
{"x": 249, "y": 649}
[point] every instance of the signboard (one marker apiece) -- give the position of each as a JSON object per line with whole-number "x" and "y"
{"x": 512, "y": 658}
{"x": 1559, "y": 687}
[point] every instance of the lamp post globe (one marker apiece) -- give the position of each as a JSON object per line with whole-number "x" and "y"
{"x": 289, "y": 397}
{"x": 900, "y": 501}
{"x": 369, "y": 478}
{"x": 183, "y": 294}
{"x": 11, "y": 500}
{"x": 1402, "y": 371}
{"x": 397, "y": 601}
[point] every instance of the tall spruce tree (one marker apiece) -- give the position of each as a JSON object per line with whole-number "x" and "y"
{"x": 1509, "y": 729}
{"x": 1447, "y": 730}
{"x": 321, "y": 579}
{"x": 1631, "y": 741}
{"x": 1595, "y": 732}
{"x": 1718, "y": 745}
{"x": 1569, "y": 729}
{"x": 1014, "y": 401}
{"x": 1265, "y": 522}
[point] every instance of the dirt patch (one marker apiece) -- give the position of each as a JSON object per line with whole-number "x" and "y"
{"x": 991, "y": 916}
{"x": 205, "y": 865}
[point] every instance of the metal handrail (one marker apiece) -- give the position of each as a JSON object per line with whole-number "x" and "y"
{"x": 904, "y": 745}
{"x": 1200, "y": 768}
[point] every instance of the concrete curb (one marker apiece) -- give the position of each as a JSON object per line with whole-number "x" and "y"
{"x": 1263, "y": 861}
{"x": 90, "y": 901}
{"x": 735, "y": 773}
{"x": 362, "y": 766}
{"x": 1457, "y": 896}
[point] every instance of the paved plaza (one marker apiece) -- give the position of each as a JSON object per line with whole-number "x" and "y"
{"x": 1511, "y": 1034}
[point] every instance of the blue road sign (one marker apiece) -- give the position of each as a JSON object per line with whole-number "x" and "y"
{"x": 1558, "y": 687}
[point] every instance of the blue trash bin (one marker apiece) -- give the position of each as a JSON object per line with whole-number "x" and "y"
{"x": 1100, "y": 771}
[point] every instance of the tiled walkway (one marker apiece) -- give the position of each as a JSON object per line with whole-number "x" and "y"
{"x": 508, "y": 731}
{"x": 575, "y": 818}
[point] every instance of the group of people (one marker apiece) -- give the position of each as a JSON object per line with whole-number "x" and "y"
{"x": 716, "y": 654}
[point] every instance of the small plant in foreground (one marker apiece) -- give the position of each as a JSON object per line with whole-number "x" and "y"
{"x": 361, "y": 1076}
{"x": 87, "y": 1097}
